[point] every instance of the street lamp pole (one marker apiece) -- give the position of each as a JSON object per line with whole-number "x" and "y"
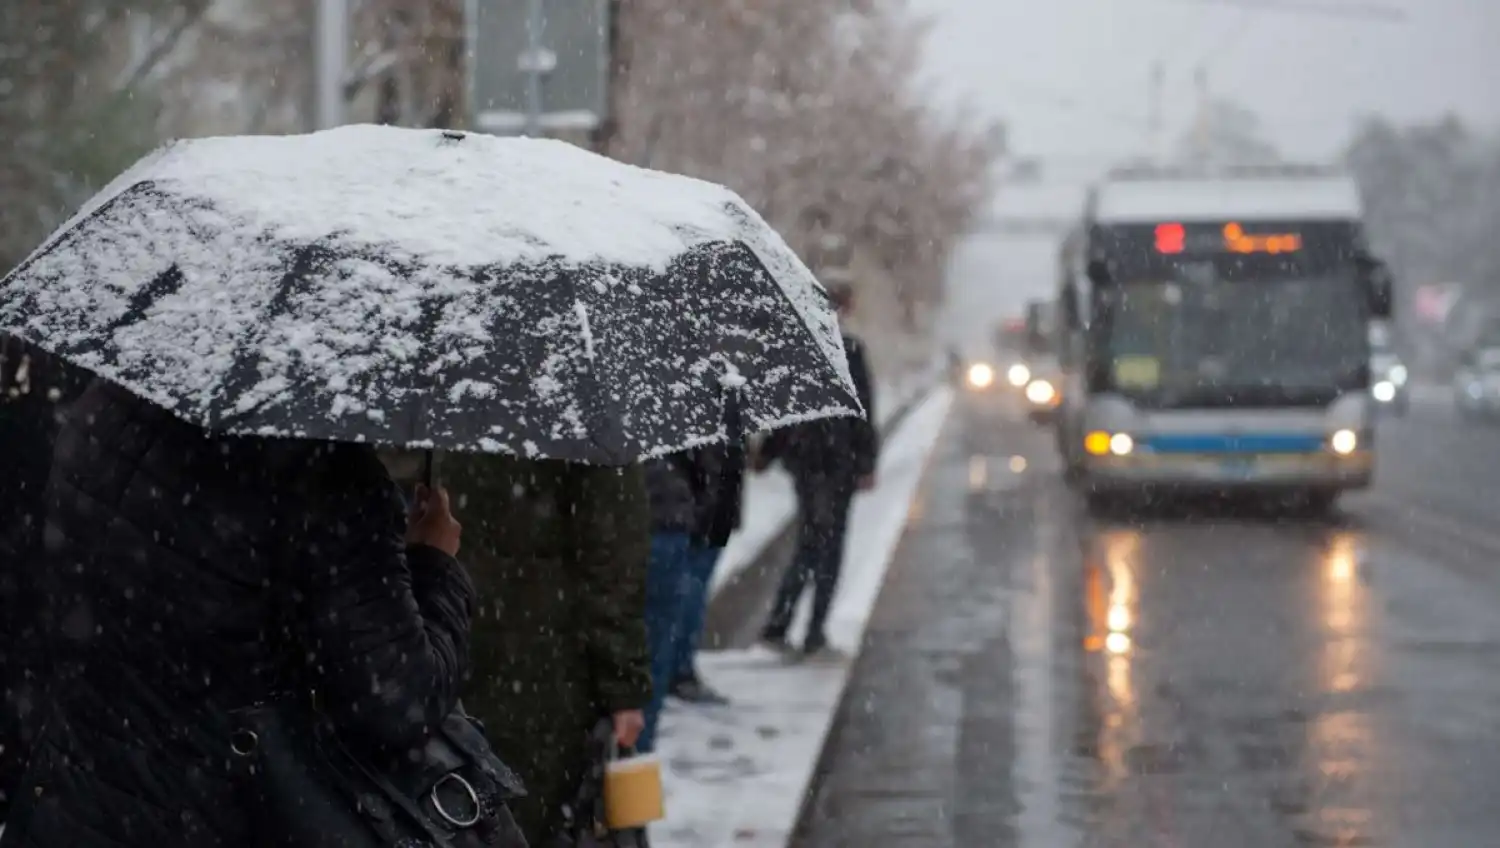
{"x": 331, "y": 58}
{"x": 536, "y": 20}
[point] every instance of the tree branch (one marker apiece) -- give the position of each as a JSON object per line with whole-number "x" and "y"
{"x": 374, "y": 67}
{"x": 191, "y": 13}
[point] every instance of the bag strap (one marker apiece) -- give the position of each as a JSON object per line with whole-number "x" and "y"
{"x": 394, "y": 796}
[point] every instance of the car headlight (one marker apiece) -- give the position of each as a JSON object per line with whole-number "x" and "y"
{"x": 1398, "y": 374}
{"x": 1384, "y": 391}
{"x": 981, "y": 376}
{"x": 1343, "y": 442}
{"x": 1018, "y": 375}
{"x": 1040, "y": 392}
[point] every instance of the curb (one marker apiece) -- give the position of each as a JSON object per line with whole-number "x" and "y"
{"x": 820, "y": 767}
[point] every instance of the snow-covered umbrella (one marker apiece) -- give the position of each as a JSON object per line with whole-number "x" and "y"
{"x": 435, "y": 289}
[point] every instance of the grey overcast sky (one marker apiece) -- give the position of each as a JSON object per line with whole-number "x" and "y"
{"x": 1070, "y": 77}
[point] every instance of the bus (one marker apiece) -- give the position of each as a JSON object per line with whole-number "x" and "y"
{"x": 1214, "y": 336}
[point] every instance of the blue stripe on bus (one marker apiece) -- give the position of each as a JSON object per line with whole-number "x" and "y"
{"x": 1247, "y": 443}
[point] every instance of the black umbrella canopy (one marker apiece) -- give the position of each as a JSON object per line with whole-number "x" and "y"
{"x": 435, "y": 290}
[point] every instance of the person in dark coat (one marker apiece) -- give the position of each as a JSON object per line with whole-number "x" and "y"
{"x": 719, "y": 498}
{"x": 169, "y": 553}
{"x": 35, "y": 389}
{"x": 695, "y": 507}
{"x": 829, "y": 461}
{"x": 558, "y": 553}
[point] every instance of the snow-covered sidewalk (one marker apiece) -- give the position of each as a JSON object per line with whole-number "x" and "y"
{"x": 736, "y": 775}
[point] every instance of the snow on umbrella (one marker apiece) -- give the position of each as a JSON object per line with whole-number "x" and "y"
{"x": 432, "y": 289}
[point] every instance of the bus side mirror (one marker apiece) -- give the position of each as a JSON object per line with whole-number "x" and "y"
{"x": 1097, "y": 272}
{"x": 1378, "y": 282}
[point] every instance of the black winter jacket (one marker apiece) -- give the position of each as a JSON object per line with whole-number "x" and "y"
{"x": 167, "y": 551}
{"x": 35, "y": 388}
{"x": 844, "y": 447}
{"x": 699, "y": 492}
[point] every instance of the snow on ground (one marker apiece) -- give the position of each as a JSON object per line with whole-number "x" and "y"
{"x": 736, "y": 775}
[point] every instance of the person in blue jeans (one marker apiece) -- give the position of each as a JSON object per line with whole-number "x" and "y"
{"x": 695, "y": 507}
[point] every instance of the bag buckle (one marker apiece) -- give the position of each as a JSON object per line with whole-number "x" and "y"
{"x": 244, "y": 742}
{"x": 468, "y": 789}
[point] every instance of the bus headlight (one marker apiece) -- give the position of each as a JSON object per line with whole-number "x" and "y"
{"x": 1040, "y": 392}
{"x": 1398, "y": 374}
{"x": 1018, "y": 375}
{"x": 1099, "y": 443}
{"x": 1343, "y": 442}
{"x": 981, "y": 376}
{"x": 1384, "y": 391}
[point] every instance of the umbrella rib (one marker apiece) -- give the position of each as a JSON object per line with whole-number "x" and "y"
{"x": 246, "y": 366}
{"x": 164, "y": 285}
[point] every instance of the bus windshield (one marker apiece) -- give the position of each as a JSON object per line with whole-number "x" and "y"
{"x": 1288, "y": 340}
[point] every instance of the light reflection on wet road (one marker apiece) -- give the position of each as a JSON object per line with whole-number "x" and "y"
{"x": 1037, "y": 678}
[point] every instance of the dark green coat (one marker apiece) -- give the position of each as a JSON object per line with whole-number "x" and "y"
{"x": 558, "y": 555}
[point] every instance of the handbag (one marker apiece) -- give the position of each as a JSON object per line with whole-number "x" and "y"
{"x": 310, "y": 790}
{"x": 586, "y": 820}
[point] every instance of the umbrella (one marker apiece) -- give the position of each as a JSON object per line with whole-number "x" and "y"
{"x": 432, "y": 289}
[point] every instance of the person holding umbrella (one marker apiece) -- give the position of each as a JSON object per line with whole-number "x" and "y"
{"x": 562, "y": 314}
{"x": 35, "y": 389}
{"x": 170, "y": 549}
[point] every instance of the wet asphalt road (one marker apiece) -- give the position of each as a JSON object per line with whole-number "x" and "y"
{"x": 1033, "y": 677}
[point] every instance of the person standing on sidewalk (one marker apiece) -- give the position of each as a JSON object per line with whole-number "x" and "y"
{"x": 694, "y": 509}
{"x": 558, "y": 554}
{"x": 718, "y": 489}
{"x": 829, "y": 461}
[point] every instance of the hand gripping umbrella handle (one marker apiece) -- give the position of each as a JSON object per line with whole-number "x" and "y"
{"x": 734, "y": 418}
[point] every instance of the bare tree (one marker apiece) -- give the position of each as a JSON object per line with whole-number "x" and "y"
{"x": 80, "y": 85}
{"x": 805, "y": 107}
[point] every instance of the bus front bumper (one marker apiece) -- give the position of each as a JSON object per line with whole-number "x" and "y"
{"x": 1233, "y": 472}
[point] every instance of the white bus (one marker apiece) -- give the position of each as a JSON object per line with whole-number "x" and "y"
{"x": 1215, "y": 336}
